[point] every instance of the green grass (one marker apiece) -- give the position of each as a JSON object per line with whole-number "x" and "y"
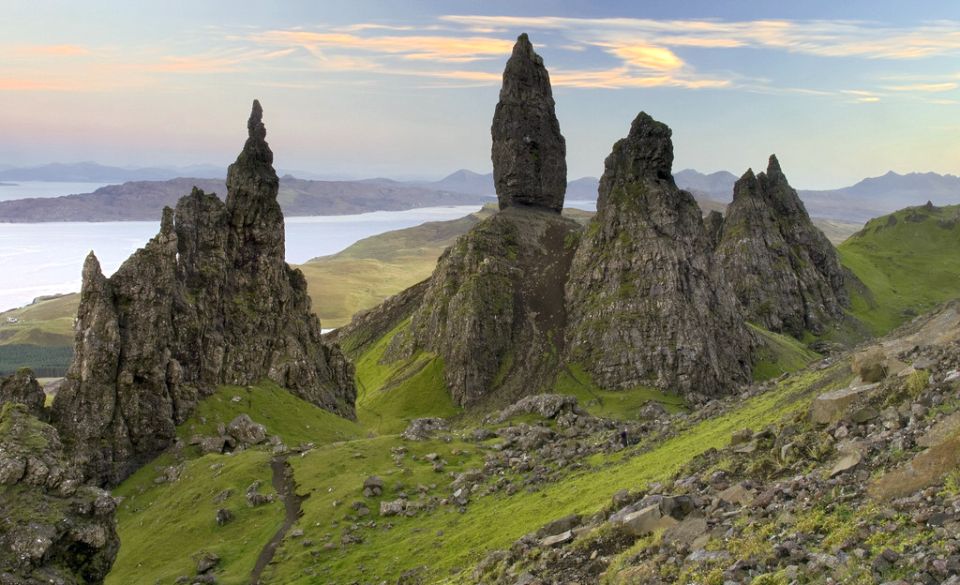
{"x": 447, "y": 542}
{"x": 48, "y": 322}
{"x": 390, "y": 395}
{"x": 292, "y": 419}
{"x": 162, "y": 527}
{"x": 779, "y": 354}
{"x": 909, "y": 263}
{"x": 619, "y": 404}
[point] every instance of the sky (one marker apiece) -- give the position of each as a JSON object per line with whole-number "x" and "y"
{"x": 838, "y": 90}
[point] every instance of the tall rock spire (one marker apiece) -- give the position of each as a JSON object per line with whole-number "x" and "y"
{"x": 529, "y": 153}
{"x": 644, "y": 303}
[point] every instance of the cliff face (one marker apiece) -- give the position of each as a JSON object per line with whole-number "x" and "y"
{"x": 208, "y": 301}
{"x": 783, "y": 269}
{"x": 494, "y": 307}
{"x": 646, "y": 303}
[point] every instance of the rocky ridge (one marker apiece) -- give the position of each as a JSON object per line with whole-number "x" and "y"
{"x": 208, "y": 301}
{"x": 647, "y": 305}
{"x": 784, "y": 271}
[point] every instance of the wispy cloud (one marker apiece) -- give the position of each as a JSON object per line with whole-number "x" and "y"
{"x": 415, "y": 47}
{"x": 815, "y": 37}
{"x": 925, "y": 87}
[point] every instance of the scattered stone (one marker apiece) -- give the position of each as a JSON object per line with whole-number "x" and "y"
{"x": 421, "y": 429}
{"x": 207, "y": 562}
{"x": 224, "y": 516}
{"x": 372, "y": 486}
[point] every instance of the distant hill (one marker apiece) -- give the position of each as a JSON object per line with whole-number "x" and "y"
{"x": 144, "y": 200}
{"x": 717, "y": 186}
{"x": 97, "y": 173}
{"x": 879, "y": 195}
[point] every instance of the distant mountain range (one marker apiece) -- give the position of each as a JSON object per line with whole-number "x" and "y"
{"x": 143, "y": 192}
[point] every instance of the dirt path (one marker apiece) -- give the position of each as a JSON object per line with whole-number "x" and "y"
{"x": 286, "y": 486}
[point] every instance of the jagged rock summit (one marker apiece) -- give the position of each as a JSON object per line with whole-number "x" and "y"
{"x": 208, "y": 301}
{"x": 646, "y": 303}
{"x": 785, "y": 272}
{"x": 529, "y": 153}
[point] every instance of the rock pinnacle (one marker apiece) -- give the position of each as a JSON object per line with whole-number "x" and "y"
{"x": 529, "y": 153}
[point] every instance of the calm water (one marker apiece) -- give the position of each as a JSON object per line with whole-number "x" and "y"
{"x": 25, "y": 189}
{"x": 46, "y": 258}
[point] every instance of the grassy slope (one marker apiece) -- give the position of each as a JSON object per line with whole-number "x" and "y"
{"x": 46, "y": 323}
{"x": 162, "y": 526}
{"x": 374, "y": 268}
{"x": 447, "y": 541}
{"x": 780, "y": 354}
{"x": 909, "y": 264}
{"x": 389, "y": 396}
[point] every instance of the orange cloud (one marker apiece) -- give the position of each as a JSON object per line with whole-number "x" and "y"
{"x": 419, "y": 47}
{"x": 648, "y": 57}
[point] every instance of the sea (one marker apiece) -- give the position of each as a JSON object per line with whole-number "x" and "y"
{"x": 39, "y": 259}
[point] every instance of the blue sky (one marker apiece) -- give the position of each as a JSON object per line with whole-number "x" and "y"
{"x": 839, "y": 91}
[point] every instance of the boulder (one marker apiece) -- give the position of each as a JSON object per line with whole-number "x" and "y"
{"x": 393, "y": 508}
{"x": 838, "y": 404}
{"x": 372, "y": 486}
{"x": 646, "y": 521}
{"x": 23, "y": 388}
{"x": 245, "y": 431}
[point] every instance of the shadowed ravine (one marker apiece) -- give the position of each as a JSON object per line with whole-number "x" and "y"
{"x": 286, "y": 487}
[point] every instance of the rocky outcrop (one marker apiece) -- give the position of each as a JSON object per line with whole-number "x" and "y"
{"x": 53, "y": 529}
{"x": 23, "y": 388}
{"x": 529, "y": 153}
{"x": 644, "y": 300}
{"x": 208, "y": 301}
{"x": 494, "y": 309}
{"x": 783, "y": 269}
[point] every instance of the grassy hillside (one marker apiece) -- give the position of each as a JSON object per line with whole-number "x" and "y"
{"x": 909, "y": 262}
{"x": 164, "y": 525}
